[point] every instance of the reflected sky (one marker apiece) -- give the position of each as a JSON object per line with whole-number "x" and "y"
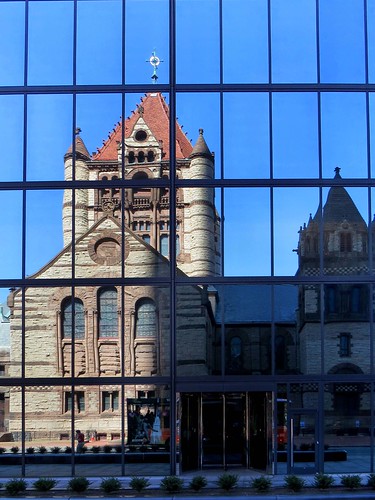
{"x": 264, "y": 136}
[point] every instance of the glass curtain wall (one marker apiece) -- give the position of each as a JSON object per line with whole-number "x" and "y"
{"x": 187, "y": 199}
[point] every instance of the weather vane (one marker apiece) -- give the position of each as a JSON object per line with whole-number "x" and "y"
{"x": 154, "y": 61}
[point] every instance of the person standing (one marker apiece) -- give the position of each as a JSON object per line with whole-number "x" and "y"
{"x": 80, "y": 441}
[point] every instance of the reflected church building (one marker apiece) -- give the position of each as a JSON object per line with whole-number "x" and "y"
{"x": 249, "y": 335}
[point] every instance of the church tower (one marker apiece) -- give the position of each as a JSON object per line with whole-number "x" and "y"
{"x": 146, "y": 209}
{"x": 345, "y": 313}
{"x": 81, "y": 173}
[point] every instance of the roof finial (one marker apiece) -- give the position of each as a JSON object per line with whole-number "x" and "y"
{"x": 77, "y": 131}
{"x": 154, "y": 61}
{"x": 337, "y": 172}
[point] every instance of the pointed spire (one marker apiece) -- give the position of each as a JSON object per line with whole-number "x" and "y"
{"x": 201, "y": 148}
{"x": 80, "y": 147}
{"x": 340, "y": 206}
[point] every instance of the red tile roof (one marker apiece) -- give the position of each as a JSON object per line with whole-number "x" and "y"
{"x": 156, "y": 115}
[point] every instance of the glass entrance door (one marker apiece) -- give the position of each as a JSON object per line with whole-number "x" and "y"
{"x": 224, "y": 430}
{"x": 304, "y": 442}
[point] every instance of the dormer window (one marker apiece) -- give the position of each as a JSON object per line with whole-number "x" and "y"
{"x": 140, "y": 135}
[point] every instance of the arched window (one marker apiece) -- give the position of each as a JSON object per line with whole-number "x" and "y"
{"x": 178, "y": 250}
{"x": 141, "y": 157}
{"x": 146, "y": 320}
{"x": 67, "y": 319}
{"x": 107, "y": 312}
{"x": 150, "y": 156}
{"x": 131, "y": 157}
{"x": 164, "y": 245}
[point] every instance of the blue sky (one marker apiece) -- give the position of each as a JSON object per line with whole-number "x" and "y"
{"x": 246, "y": 139}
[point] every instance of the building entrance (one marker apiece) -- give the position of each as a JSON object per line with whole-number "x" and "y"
{"x": 226, "y": 430}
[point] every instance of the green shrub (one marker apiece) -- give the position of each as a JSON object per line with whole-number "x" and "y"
{"x": 118, "y": 448}
{"x": 14, "y": 449}
{"x": 78, "y": 484}
{"x": 351, "y": 481}
{"x": 55, "y": 449}
{"x": 294, "y": 483}
{"x": 227, "y": 481}
{"x": 261, "y": 483}
{"x": 15, "y": 486}
{"x": 323, "y": 481}
{"x": 371, "y": 481}
{"x": 42, "y": 449}
{"x": 30, "y": 450}
{"x": 44, "y": 484}
{"x": 95, "y": 449}
{"x": 172, "y": 484}
{"x": 139, "y": 483}
{"x": 67, "y": 449}
{"x": 197, "y": 483}
{"x": 107, "y": 448}
{"x": 110, "y": 484}
{"x": 2, "y": 450}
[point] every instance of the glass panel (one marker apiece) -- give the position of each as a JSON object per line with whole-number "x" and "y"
{"x": 197, "y": 41}
{"x": 11, "y": 137}
{"x": 295, "y": 135}
{"x": 342, "y": 41}
{"x": 292, "y": 216}
{"x": 199, "y": 232}
{"x": 371, "y": 112}
{"x": 287, "y": 346}
{"x": 98, "y": 121}
{"x": 44, "y": 235}
{"x": 253, "y": 230}
{"x": 345, "y": 213}
{"x": 147, "y": 333}
{"x": 12, "y": 45}
{"x": 246, "y": 146}
{"x": 11, "y": 247}
{"x": 371, "y": 39}
{"x": 281, "y": 430}
{"x": 147, "y": 429}
{"x": 49, "y": 135}
{"x": 103, "y": 441}
{"x": 248, "y": 316}
{"x": 347, "y": 328}
{"x": 102, "y": 50}
{"x": 304, "y": 442}
{"x": 151, "y": 20}
{"x": 197, "y": 331}
{"x": 4, "y": 356}
{"x": 347, "y": 427}
{"x": 344, "y": 134}
{"x": 50, "y": 63}
{"x": 205, "y": 135}
{"x": 310, "y": 328}
{"x": 245, "y": 48}
{"x": 293, "y": 39}
{"x": 10, "y": 402}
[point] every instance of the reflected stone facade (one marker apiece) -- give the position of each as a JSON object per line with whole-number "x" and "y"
{"x": 112, "y": 331}
{"x": 122, "y": 230}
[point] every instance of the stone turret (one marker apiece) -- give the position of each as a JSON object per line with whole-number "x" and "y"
{"x": 79, "y": 164}
{"x": 202, "y": 213}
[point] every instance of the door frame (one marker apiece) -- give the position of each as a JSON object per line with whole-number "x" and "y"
{"x": 293, "y": 464}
